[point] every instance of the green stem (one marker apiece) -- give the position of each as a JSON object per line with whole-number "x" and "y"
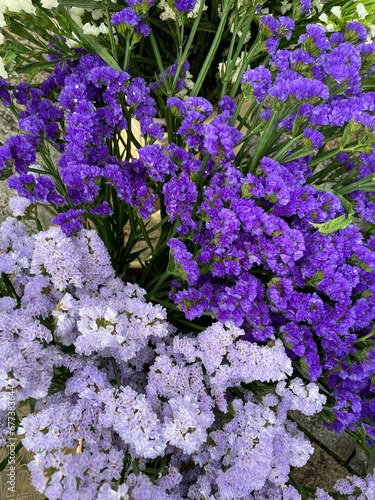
{"x": 263, "y": 141}
{"x": 4, "y": 463}
{"x": 237, "y": 111}
{"x": 159, "y": 62}
{"x": 159, "y": 283}
{"x": 212, "y": 52}
{"x": 37, "y": 221}
{"x": 115, "y": 370}
{"x": 187, "y": 46}
{"x": 126, "y": 55}
{"x": 287, "y": 146}
{"x": 363, "y": 339}
{"x": 111, "y": 37}
{"x": 241, "y": 43}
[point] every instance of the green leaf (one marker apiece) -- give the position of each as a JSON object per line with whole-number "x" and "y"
{"x": 366, "y": 184}
{"x": 346, "y": 134}
{"x": 4, "y": 463}
{"x": 33, "y": 68}
{"x": 89, "y": 5}
{"x": 338, "y": 223}
{"x": 370, "y": 228}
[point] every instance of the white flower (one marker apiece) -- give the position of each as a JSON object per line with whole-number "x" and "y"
{"x": 285, "y": 6}
{"x": 50, "y": 4}
{"x": 168, "y": 12}
{"x": 361, "y": 11}
{"x": 76, "y": 14}
{"x": 236, "y": 70}
{"x": 324, "y": 18}
{"x": 18, "y": 205}
{"x": 330, "y": 27}
{"x": 97, "y": 14}
{"x": 1, "y": 38}
{"x": 194, "y": 12}
{"x": 317, "y": 4}
{"x": 3, "y": 72}
{"x": 372, "y": 31}
{"x": 336, "y": 11}
{"x": 18, "y": 5}
{"x": 91, "y": 29}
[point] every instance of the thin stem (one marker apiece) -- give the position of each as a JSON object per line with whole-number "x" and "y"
{"x": 187, "y": 46}
{"x": 110, "y": 32}
{"x": 115, "y": 370}
{"x": 126, "y": 55}
{"x": 212, "y": 51}
{"x": 159, "y": 62}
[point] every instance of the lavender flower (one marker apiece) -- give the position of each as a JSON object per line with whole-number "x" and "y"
{"x": 257, "y": 82}
{"x": 313, "y": 138}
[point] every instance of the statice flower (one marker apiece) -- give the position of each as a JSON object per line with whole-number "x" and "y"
{"x": 5, "y": 96}
{"x": 257, "y": 82}
{"x": 355, "y": 32}
{"x": 314, "y": 40}
{"x": 118, "y": 327}
{"x": 70, "y": 221}
{"x": 127, "y": 17}
{"x": 19, "y": 206}
{"x": 184, "y": 259}
{"x": 305, "y": 5}
{"x": 299, "y": 88}
{"x": 313, "y": 138}
{"x": 185, "y": 5}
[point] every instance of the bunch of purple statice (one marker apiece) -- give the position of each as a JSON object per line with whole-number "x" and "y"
{"x": 105, "y": 368}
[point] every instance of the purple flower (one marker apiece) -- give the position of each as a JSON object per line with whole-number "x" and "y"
{"x": 227, "y": 104}
{"x": 184, "y": 259}
{"x": 336, "y": 38}
{"x": 103, "y": 209}
{"x": 355, "y": 32}
{"x": 266, "y": 114}
{"x": 269, "y": 26}
{"x": 257, "y": 82}
{"x": 70, "y": 221}
{"x": 185, "y": 5}
{"x": 342, "y": 157}
{"x": 127, "y": 17}
{"x": 300, "y": 88}
{"x": 143, "y": 29}
{"x": 286, "y": 26}
{"x": 155, "y": 159}
{"x": 180, "y": 193}
{"x": 343, "y": 63}
{"x": 305, "y": 5}
{"x": 313, "y": 138}
{"x": 272, "y": 44}
{"x": 314, "y": 40}
{"x": 5, "y": 96}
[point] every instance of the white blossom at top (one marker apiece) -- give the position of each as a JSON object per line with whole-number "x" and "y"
{"x": 3, "y": 72}
{"x": 361, "y": 11}
{"x": 50, "y": 4}
{"x": 285, "y": 6}
{"x": 336, "y": 11}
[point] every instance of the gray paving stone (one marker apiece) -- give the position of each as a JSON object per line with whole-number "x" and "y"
{"x": 321, "y": 471}
{"x": 340, "y": 444}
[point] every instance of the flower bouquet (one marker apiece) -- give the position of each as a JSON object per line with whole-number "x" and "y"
{"x": 209, "y": 174}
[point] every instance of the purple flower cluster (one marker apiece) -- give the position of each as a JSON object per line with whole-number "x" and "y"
{"x": 131, "y": 18}
{"x": 135, "y": 391}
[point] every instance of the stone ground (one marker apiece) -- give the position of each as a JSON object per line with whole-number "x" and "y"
{"x": 335, "y": 455}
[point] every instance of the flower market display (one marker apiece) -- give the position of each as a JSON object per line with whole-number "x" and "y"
{"x": 207, "y": 169}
